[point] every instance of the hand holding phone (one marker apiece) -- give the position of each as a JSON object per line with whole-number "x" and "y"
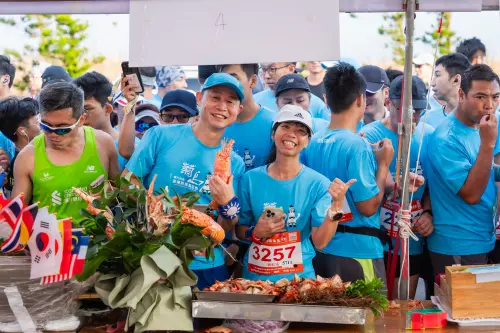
{"x": 133, "y": 76}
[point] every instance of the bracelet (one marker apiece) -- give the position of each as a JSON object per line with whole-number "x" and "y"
{"x": 428, "y": 211}
{"x": 249, "y": 232}
{"x": 254, "y": 238}
{"x": 231, "y": 210}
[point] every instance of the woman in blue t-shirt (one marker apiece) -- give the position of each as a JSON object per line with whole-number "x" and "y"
{"x": 285, "y": 204}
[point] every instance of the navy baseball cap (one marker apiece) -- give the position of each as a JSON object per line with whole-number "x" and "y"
{"x": 375, "y": 78}
{"x": 418, "y": 91}
{"x": 180, "y": 98}
{"x": 223, "y": 79}
{"x": 54, "y": 74}
{"x": 291, "y": 81}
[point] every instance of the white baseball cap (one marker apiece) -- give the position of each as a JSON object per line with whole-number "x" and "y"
{"x": 294, "y": 113}
{"x": 148, "y": 113}
{"x": 423, "y": 59}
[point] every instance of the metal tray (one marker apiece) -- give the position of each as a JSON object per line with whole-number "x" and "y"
{"x": 233, "y": 297}
{"x": 280, "y": 312}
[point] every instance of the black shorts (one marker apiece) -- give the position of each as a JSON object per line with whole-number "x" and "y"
{"x": 440, "y": 261}
{"x": 349, "y": 269}
{"x": 415, "y": 264}
{"x": 494, "y": 256}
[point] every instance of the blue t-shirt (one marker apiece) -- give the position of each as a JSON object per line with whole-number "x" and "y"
{"x": 304, "y": 199}
{"x": 459, "y": 228}
{"x": 319, "y": 124}
{"x": 434, "y": 117}
{"x": 8, "y": 146}
{"x": 184, "y": 164}
{"x": 317, "y": 108}
{"x": 252, "y": 139}
{"x": 360, "y": 125}
{"x": 156, "y": 101}
{"x": 345, "y": 155}
{"x": 377, "y": 131}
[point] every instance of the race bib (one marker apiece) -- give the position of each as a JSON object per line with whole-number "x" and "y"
{"x": 389, "y": 208}
{"x": 347, "y": 213}
{"x": 280, "y": 254}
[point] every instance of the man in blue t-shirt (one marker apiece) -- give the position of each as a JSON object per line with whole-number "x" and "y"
{"x": 293, "y": 89}
{"x": 420, "y": 205}
{"x": 462, "y": 175}
{"x": 356, "y": 251}
{"x": 183, "y": 157}
{"x": 252, "y": 130}
{"x": 272, "y": 72}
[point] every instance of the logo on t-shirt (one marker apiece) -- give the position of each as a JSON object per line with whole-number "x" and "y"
{"x": 90, "y": 169}
{"x": 56, "y": 198}
{"x": 46, "y": 176}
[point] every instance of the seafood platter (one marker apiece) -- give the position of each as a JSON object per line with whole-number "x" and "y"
{"x": 320, "y": 300}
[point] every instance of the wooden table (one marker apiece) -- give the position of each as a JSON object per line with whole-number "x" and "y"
{"x": 394, "y": 321}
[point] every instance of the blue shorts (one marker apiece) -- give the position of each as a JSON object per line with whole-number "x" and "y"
{"x": 207, "y": 277}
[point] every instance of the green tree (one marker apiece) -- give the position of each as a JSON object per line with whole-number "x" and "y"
{"x": 393, "y": 27}
{"x": 447, "y": 39}
{"x": 55, "y": 38}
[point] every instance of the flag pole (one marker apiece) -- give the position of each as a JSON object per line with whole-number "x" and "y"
{"x": 406, "y": 138}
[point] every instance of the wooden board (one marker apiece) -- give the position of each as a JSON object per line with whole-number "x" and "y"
{"x": 466, "y": 297}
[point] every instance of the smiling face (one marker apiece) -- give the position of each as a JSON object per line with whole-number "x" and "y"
{"x": 219, "y": 107}
{"x": 291, "y": 138}
{"x": 61, "y": 118}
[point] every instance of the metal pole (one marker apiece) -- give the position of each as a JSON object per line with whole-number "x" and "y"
{"x": 407, "y": 131}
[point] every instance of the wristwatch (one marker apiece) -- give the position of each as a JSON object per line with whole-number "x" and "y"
{"x": 334, "y": 215}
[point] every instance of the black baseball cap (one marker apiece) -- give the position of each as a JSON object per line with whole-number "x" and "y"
{"x": 375, "y": 78}
{"x": 181, "y": 98}
{"x": 54, "y": 74}
{"x": 291, "y": 81}
{"x": 418, "y": 93}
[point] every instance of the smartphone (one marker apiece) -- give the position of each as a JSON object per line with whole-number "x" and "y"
{"x": 134, "y": 76}
{"x": 273, "y": 211}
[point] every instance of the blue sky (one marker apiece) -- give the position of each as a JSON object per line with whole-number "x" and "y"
{"x": 359, "y": 36}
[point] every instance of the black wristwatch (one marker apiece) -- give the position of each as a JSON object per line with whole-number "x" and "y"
{"x": 428, "y": 211}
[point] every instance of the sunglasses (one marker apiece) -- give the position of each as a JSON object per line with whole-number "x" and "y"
{"x": 59, "y": 130}
{"x": 181, "y": 118}
{"x": 142, "y": 126}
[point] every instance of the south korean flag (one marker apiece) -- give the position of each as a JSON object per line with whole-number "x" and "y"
{"x": 44, "y": 244}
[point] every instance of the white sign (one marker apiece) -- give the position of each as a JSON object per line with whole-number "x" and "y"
{"x": 204, "y": 32}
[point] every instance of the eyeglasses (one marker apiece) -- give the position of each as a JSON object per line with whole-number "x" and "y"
{"x": 181, "y": 118}
{"x": 59, "y": 130}
{"x": 271, "y": 70}
{"x": 142, "y": 126}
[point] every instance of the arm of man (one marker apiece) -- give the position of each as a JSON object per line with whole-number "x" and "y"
{"x": 366, "y": 180}
{"x": 4, "y": 160}
{"x": 23, "y": 173}
{"x": 478, "y": 176}
{"x": 108, "y": 154}
{"x": 126, "y": 139}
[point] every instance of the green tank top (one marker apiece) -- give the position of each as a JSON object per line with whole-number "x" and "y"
{"x": 52, "y": 183}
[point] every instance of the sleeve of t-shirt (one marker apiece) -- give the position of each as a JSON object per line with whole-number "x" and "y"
{"x": 323, "y": 201}
{"x": 246, "y": 214}
{"x": 452, "y": 164}
{"x": 143, "y": 159}
{"x": 362, "y": 167}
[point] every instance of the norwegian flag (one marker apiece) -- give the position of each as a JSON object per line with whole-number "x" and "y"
{"x": 11, "y": 211}
{"x": 79, "y": 248}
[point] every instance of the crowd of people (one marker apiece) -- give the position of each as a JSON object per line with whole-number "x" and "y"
{"x": 316, "y": 178}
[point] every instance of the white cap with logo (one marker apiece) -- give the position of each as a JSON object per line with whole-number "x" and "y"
{"x": 296, "y": 114}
